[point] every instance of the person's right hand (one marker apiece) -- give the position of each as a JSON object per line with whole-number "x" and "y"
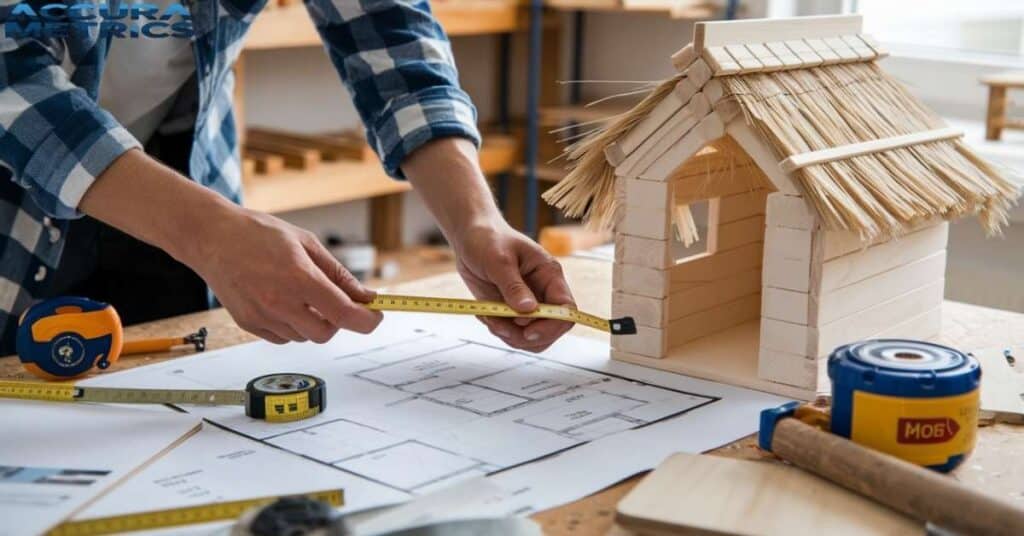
{"x": 278, "y": 281}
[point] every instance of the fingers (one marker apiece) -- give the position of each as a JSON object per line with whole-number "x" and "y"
{"x": 505, "y": 275}
{"x": 335, "y": 271}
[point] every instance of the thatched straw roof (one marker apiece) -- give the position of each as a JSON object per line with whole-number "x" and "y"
{"x": 798, "y": 106}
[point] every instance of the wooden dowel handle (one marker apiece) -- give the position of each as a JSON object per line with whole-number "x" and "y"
{"x": 900, "y": 485}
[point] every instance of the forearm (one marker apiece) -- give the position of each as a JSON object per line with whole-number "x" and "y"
{"x": 446, "y": 174}
{"x": 153, "y": 203}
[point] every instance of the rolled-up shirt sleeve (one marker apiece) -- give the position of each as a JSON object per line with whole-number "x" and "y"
{"x": 54, "y": 139}
{"x": 397, "y": 63}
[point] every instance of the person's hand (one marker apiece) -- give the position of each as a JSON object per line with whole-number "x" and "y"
{"x": 500, "y": 264}
{"x": 277, "y": 280}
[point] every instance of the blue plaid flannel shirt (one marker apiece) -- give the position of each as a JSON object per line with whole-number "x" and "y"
{"x": 55, "y": 140}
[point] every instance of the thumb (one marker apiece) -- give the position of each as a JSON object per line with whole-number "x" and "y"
{"x": 513, "y": 288}
{"x": 338, "y": 274}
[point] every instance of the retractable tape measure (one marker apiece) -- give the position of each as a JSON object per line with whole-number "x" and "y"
{"x": 914, "y": 400}
{"x": 274, "y": 397}
{"x": 176, "y": 517}
{"x": 455, "y": 306}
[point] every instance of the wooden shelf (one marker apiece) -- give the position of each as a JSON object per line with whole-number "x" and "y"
{"x": 290, "y": 26}
{"x": 677, "y": 9}
{"x": 338, "y": 182}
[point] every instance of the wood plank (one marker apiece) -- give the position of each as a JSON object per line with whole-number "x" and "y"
{"x": 715, "y": 267}
{"x": 709, "y": 295}
{"x": 640, "y": 280}
{"x": 682, "y": 58}
{"x": 265, "y": 163}
{"x": 738, "y": 233}
{"x": 330, "y": 147}
{"x": 878, "y": 318}
{"x": 849, "y": 269}
{"x": 790, "y": 211}
{"x": 617, "y": 152}
{"x": 721, "y": 33}
{"x": 724, "y": 496}
{"x": 714, "y": 320}
{"x": 295, "y": 156}
{"x": 835, "y": 304}
{"x": 853, "y": 150}
{"x": 648, "y": 341}
{"x": 762, "y": 155}
{"x": 786, "y": 305}
{"x": 839, "y": 243}
{"x": 788, "y": 244}
{"x": 787, "y": 337}
{"x": 332, "y": 182}
{"x": 640, "y": 251}
{"x": 1000, "y": 388}
{"x": 645, "y": 310}
{"x": 707, "y": 130}
{"x": 790, "y": 369}
{"x": 742, "y": 205}
{"x": 647, "y": 222}
{"x": 652, "y": 147}
{"x": 710, "y": 184}
{"x": 643, "y": 194}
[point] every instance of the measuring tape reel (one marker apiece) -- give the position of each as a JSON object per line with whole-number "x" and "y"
{"x": 281, "y": 397}
{"x": 66, "y": 337}
{"x": 912, "y": 399}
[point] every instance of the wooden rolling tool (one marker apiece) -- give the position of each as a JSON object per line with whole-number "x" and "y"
{"x": 918, "y": 492}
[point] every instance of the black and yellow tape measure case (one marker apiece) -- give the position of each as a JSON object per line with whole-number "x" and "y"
{"x": 285, "y": 397}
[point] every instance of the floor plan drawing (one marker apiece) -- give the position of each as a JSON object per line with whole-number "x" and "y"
{"x": 420, "y": 410}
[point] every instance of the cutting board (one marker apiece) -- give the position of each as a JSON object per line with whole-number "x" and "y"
{"x": 701, "y": 494}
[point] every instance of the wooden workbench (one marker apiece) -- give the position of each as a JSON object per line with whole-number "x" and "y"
{"x": 994, "y": 467}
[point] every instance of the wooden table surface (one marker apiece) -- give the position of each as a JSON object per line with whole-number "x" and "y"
{"x": 994, "y": 467}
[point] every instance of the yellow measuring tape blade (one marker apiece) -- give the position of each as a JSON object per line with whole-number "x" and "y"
{"x": 456, "y": 306}
{"x": 175, "y": 517}
{"x": 57, "y": 392}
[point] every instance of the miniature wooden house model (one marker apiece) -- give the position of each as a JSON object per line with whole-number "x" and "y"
{"x": 823, "y": 188}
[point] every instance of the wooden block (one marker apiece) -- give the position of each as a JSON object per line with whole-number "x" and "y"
{"x": 841, "y": 49}
{"x": 721, "y": 62}
{"x": 646, "y": 223}
{"x": 648, "y": 341}
{"x": 618, "y": 151}
{"x": 923, "y": 327}
{"x": 721, "y": 33}
{"x": 823, "y": 51}
{"x": 647, "y": 252}
{"x": 708, "y": 295}
{"x": 699, "y": 72}
{"x": 1000, "y": 388}
{"x": 790, "y": 369}
{"x": 874, "y": 45}
{"x": 709, "y": 129}
{"x": 786, "y": 243}
{"x": 787, "y": 274}
{"x": 790, "y": 211}
{"x": 641, "y": 281}
{"x": 264, "y": 162}
{"x": 704, "y": 268}
{"x": 786, "y": 305}
{"x": 742, "y": 205}
{"x": 762, "y": 155}
{"x": 743, "y": 56}
{"x": 713, "y": 92}
{"x": 835, "y": 304}
{"x": 686, "y": 89}
{"x": 849, "y": 269}
{"x": 785, "y": 56}
{"x": 765, "y": 56}
{"x": 786, "y": 337}
{"x": 709, "y": 321}
{"x": 646, "y": 194}
{"x": 684, "y": 120}
{"x": 684, "y": 57}
{"x": 839, "y": 243}
{"x": 645, "y": 310}
{"x": 331, "y": 147}
{"x": 295, "y": 156}
{"x": 878, "y": 318}
{"x": 808, "y": 57}
{"x": 863, "y": 51}
{"x": 738, "y": 233}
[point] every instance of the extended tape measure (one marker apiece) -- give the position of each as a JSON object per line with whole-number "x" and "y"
{"x": 455, "y": 306}
{"x": 176, "y": 517}
{"x": 912, "y": 399}
{"x": 274, "y": 397}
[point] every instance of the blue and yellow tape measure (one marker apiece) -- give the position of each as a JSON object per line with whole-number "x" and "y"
{"x": 914, "y": 400}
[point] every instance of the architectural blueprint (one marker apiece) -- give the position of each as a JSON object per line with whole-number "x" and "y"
{"x": 426, "y": 402}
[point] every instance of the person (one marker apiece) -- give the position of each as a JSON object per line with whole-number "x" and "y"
{"x": 124, "y": 174}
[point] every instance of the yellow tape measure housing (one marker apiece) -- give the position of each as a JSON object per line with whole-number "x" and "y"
{"x": 455, "y": 306}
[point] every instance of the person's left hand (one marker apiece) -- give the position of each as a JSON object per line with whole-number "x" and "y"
{"x": 500, "y": 264}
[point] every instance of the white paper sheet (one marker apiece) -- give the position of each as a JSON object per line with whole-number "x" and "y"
{"x": 418, "y": 411}
{"x": 56, "y": 457}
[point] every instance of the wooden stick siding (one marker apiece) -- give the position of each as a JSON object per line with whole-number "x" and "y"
{"x": 844, "y": 152}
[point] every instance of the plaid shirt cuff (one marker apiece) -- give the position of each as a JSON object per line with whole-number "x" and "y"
{"x": 67, "y": 162}
{"x": 414, "y": 119}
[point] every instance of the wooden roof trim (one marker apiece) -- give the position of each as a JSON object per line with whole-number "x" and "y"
{"x": 753, "y": 57}
{"x": 844, "y": 152}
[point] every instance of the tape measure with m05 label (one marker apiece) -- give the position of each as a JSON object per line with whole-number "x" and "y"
{"x": 280, "y": 397}
{"x": 176, "y": 517}
{"x": 456, "y": 306}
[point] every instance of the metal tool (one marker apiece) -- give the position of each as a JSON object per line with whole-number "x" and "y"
{"x": 455, "y": 306}
{"x": 281, "y": 397}
{"x": 64, "y": 338}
